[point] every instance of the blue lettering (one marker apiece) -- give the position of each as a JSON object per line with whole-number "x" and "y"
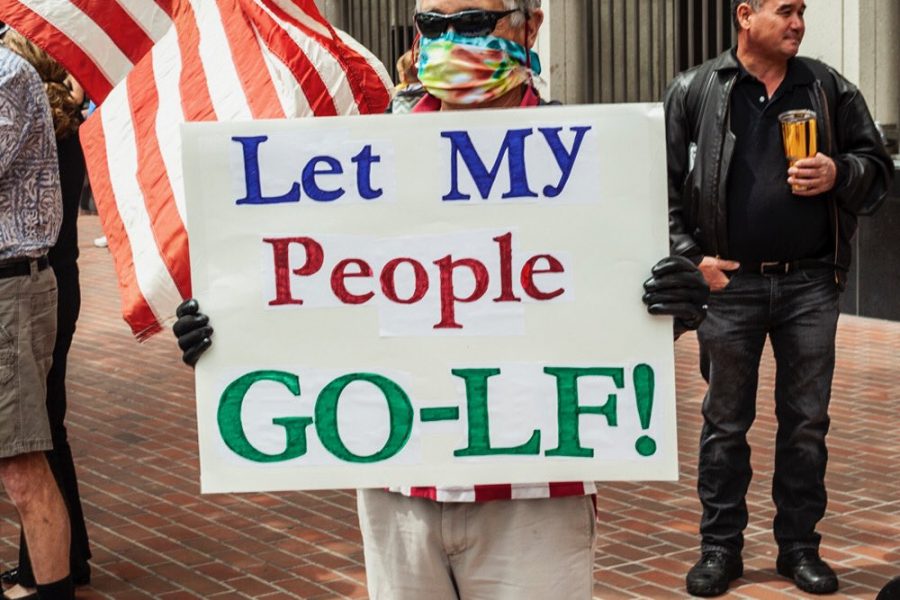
{"x": 565, "y": 159}
{"x": 254, "y": 195}
{"x": 513, "y": 144}
{"x": 310, "y": 172}
{"x": 363, "y": 162}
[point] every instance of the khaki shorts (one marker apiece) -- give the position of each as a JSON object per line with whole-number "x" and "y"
{"x": 27, "y": 337}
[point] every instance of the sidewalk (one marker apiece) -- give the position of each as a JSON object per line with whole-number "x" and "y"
{"x": 132, "y": 426}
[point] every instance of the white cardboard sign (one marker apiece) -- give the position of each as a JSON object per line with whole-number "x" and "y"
{"x": 437, "y": 299}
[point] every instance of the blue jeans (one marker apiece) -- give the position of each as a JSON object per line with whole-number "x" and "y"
{"x": 799, "y": 313}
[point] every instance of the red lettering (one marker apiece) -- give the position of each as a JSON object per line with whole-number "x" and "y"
{"x": 404, "y": 273}
{"x": 448, "y": 299}
{"x": 529, "y": 270}
{"x": 506, "y": 288}
{"x": 389, "y": 286}
{"x": 315, "y": 257}
{"x": 340, "y": 274}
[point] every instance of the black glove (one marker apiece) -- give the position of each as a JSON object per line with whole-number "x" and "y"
{"x": 192, "y": 330}
{"x": 677, "y": 288}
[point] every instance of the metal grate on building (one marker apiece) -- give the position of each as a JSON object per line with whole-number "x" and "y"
{"x": 384, "y": 26}
{"x": 633, "y": 48}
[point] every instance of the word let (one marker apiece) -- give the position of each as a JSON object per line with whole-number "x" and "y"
{"x": 321, "y": 176}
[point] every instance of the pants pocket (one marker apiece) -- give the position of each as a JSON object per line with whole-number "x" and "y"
{"x": 7, "y": 365}
{"x": 43, "y": 326}
{"x": 7, "y": 342}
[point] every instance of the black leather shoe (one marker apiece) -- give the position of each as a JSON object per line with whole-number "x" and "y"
{"x": 713, "y": 572}
{"x": 808, "y": 570}
{"x": 80, "y": 577}
{"x": 31, "y": 596}
{"x": 10, "y": 577}
{"x": 891, "y": 591}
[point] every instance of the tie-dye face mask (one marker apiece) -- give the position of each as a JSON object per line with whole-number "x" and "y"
{"x": 473, "y": 70}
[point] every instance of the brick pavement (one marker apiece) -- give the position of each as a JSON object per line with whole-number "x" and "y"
{"x": 154, "y": 536}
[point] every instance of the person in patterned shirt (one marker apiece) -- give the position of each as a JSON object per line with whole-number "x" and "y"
{"x": 30, "y": 216}
{"x": 502, "y": 541}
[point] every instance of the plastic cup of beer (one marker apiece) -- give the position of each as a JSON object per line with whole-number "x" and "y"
{"x": 798, "y": 130}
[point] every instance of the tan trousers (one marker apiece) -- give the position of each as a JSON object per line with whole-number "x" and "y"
{"x": 418, "y": 549}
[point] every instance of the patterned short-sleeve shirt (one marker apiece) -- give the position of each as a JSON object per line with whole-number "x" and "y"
{"x": 30, "y": 197}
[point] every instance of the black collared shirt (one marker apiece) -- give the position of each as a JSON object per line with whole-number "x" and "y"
{"x": 766, "y": 222}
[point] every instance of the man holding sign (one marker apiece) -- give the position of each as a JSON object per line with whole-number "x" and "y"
{"x": 498, "y": 540}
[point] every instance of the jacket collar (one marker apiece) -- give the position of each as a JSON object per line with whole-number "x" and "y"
{"x": 727, "y": 61}
{"x": 798, "y": 70}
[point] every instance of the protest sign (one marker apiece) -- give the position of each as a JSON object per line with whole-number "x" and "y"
{"x": 446, "y": 298}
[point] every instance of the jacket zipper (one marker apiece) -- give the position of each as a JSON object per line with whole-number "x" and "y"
{"x": 826, "y": 124}
{"x": 726, "y": 127}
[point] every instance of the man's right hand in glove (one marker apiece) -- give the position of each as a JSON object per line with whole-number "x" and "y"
{"x": 192, "y": 330}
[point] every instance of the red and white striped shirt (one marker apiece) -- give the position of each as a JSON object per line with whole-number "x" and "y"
{"x": 499, "y": 491}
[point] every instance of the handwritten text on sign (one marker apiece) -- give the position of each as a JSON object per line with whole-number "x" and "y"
{"x": 431, "y": 300}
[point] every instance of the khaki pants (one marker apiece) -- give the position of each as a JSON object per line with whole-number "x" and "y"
{"x": 418, "y": 549}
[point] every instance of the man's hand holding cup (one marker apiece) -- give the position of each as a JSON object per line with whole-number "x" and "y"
{"x": 812, "y": 176}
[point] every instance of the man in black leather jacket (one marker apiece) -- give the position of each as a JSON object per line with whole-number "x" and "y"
{"x": 773, "y": 242}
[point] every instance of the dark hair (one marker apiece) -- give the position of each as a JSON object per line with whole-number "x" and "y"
{"x": 65, "y": 109}
{"x": 754, "y": 4}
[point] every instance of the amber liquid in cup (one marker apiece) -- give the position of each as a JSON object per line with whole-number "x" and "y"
{"x": 798, "y": 130}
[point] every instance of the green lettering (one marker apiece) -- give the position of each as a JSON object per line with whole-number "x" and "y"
{"x": 232, "y": 428}
{"x": 569, "y": 411}
{"x": 399, "y": 406}
{"x": 479, "y": 428}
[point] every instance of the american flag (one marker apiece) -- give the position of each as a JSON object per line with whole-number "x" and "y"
{"x": 154, "y": 64}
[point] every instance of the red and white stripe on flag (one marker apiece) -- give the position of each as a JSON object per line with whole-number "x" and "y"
{"x": 98, "y": 41}
{"x": 158, "y": 63}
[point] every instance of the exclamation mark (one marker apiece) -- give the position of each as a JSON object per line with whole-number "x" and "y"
{"x": 643, "y": 392}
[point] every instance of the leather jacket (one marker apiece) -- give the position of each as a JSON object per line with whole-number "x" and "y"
{"x": 701, "y": 145}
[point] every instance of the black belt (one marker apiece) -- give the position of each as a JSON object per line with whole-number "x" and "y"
{"x": 22, "y": 267}
{"x": 783, "y": 267}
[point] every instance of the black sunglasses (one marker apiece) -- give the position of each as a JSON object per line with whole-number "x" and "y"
{"x": 468, "y": 23}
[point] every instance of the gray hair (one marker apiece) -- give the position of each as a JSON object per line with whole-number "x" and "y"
{"x": 754, "y": 4}
{"x": 517, "y": 19}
